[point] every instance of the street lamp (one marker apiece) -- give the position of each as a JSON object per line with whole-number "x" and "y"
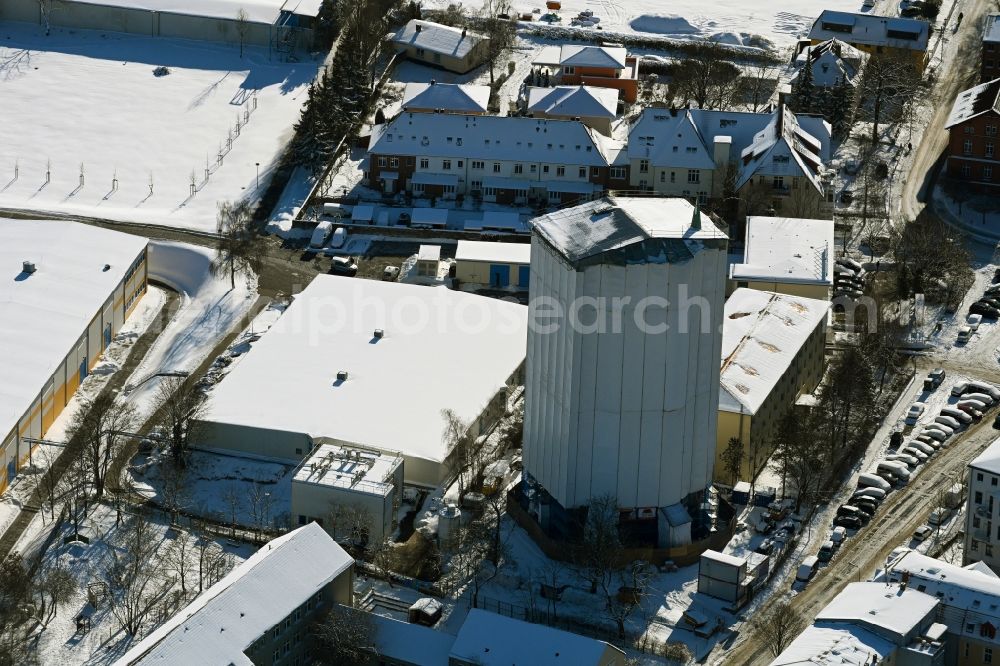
{"x": 258, "y": 175}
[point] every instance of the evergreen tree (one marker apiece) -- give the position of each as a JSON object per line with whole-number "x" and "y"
{"x": 837, "y": 109}
{"x": 805, "y": 90}
{"x": 327, "y": 25}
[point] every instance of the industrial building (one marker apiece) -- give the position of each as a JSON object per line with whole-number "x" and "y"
{"x": 773, "y": 349}
{"x": 338, "y": 480}
{"x": 283, "y": 26}
{"x": 74, "y": 286}
{"x": 624, "y": 403}
{"x": 786, "y": 255}
{"x": 499, "y": 265}
{"x": 347, "y": 352}
{"x": 263, "y": 612}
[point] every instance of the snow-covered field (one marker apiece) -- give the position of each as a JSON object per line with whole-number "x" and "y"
{"x": 86, "y": 101}
{"x": 732, "y": 21}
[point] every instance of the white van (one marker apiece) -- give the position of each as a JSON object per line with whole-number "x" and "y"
{"x": 807, "y": 569}
{"x": 320, "y": 234}
{"x": 867, "y": 480}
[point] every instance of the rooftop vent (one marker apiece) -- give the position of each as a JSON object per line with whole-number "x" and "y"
{"x": 28, "y": 267}
{"x": 342, "y": 375}
{"x": 418, "y": 27}
{"x": 379, "y": 334}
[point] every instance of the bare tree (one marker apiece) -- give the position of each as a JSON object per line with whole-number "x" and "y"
{"x": 928, "y": 252}
{"x": 48, "y": 482}
{"x": 233, "y": 499}
{"x": 179, "y": 558}
{"x": 103, "y": 427}
{"x": 239, "y": 248}
{"x": 460, "y": 447}
{"x": 345, "y": 636}
{"x": 181, "y": 405}
{"x": 623, "y": 593}
{"x": 174, "y": 491}
{"x": 382, "y": 555}
{"x": 477, "y": 556}
{"x": 758, "y": 84}
{"x": 260, "y": 507}
{"x": 74, "y": 490}
{"x": 888, "y": 83}
{"x": 45, "y": 11}
{"x": 778, "y": 626}
{"x": 134, "y": 576}
{"x": 53, "y": 587}
{"x": 677, "y": 653}
{"x": 706, "y": 77}
{"x": 597, "y": 554}
{"x": 242, "y": 27}
{"x": 498, "y": 31}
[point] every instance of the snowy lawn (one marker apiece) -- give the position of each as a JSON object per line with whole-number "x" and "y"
{"x": 89, "y": 101}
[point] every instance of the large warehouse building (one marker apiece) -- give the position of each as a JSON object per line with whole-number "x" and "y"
{"x": 624, "y": 402}
{"x": 74, "y": 287}
{"x": 365, "y": 363}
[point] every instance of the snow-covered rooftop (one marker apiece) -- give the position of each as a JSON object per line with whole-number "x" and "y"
{"x": 361, "y": 470}
{"x": 786, "y": 249}
{"x": 582, "y": 55}
{"x": 895, "y": 608}
{"x": 457, "y": 98}
{"x": 411, "y": 643}
{"x": 580, "y": 101}
{"x": 431, "y": 336}
{"x": 988, "y": 460}
{"x": 834, "y": 646}
{"x": 437, "y": 38}
{"x": 652, "y": 229}
{"x": 220, "y": 624}
{"x": 762, "y": 333}
{"x": 991, "y": 31}
{"x": 833, "y": 62}
{"x": 871, "y": 29}
{"x": 42, "y": 315}
{"x": 258, "y": 11}
{"x": 984, "y": 98}
{"x": 488, "y": 138}
{"x": 504, "y": 253}
{"x": 783, "y": 148}
{"x": 489, "y": 639}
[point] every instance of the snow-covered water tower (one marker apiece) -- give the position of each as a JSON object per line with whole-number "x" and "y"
{"x": 624, "y": 340}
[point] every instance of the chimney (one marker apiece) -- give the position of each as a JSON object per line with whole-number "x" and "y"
{"x": 379, "y": 333}
{"x": 433, "y": 81}
{"x": 418, "y": 27}
{"x": 342, "y": 375}
{"x": 28, "y": 267}
{"x": 463, "y": 33}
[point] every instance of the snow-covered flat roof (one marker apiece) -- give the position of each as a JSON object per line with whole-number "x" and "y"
{"x": 762, "y": 332}
{"x": 894, "y": 608}
{"x": 361, "y": 470}
{"x": 258, "y": 11}
{"x": 615, "y": 224}
{"x": 411, "y": 643}
{"x": 448, "y": 96}
{"x": 220, "y": 624}
{"x": 441, "y": 349}
{"x": 489, "y": 639}
{"x": 723, "y": 558}
{"x": 785, "y": 249}
{"x": 437, "y": 38}
{"x": 43, "y": 314}
{"x": 834, "y": 646}
{"x": 504, "y": 253}
{"x": 988, "y": 460}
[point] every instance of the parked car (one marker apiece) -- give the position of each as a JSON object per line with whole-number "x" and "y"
{"x": 938, "y": 431}
{"x": 971, "y": 394}
{"x": 951, "y": 422}
{"x": 915, "y": 453}
{"x": 866, "y": 504}
{"x": 896, "y": 468}
{"x": 850, "y": 522}
{"x": 849, "y": 510}
{"x": 938, "y": 375}
{"x": 973, "y": 321}
{"x": 988, "y": 389}
{"x": 915, "y": 412}
{"x": 986, "y": 310}
{"x": 765, "y": 547}
{"x": 390, "y": 273}
{"x": 996, "y": 422}
{"x": 956, "y": 414}
{"x": 838, "y": 535}
{"x": 972, "y": 411}
{"x": 922, "y": 532}
{"x": 876, "y": 494}
{"x": 939, "y": 516}
{"x": 853, "y": 264}
{"x": 982, "y": 403}
{"x": 895, "y": 439}
{"x": 826, "y": 551}
{"x": 807, "y": 569}
{"x": 320, "y": 234}
{"x": 964, "y": 333}
{"x": 339, "y": 238}
{"x": 911, "y": 461}
{"x": 343, "y": 266}
{"x": 869, "y": 480}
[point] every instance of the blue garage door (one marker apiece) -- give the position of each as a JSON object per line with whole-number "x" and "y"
{"x": 499, "y": 275}
{"x": 522, "y": 277}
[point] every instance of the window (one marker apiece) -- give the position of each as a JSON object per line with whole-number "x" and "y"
{"x": 475, "y": 184}
{"x": 991, "y": 130}
{"x": 987, "y": 173}
{"x": 989, "y": 149}
{"x": 979, "y": 495}
{"x": 533, "y": 168}
{"x": 694, "y": 176}
{"x": 673, "y": 176}
{"x": 277, "y": 655}
{"x": 617, "y": 172}
{"x": 993, "y": 482}
{"x": 425, "y": 163}
{"x": 569, "y": 70}
{"x": 663, "y": 176}
{"x": 437, "y": 57}
{"x": 582, "y": 173}
{"x": 979, "y": 477}
{"x": 518, "y": 168}
{"x": 595, "y": 172}
{"x": 276, "y": 633}
{"x": 643, "y": 166}
{"x": 560, "y": 170}
{"x": 987, "y": 655}
{"x": 969, "y": 129}
{"x": 975, "y": 521}
{"x": 478, "y": 164}
{"x": 975, "y": 545}
{"x": 545, "y": 168}
{"x": 393, "y": 162}
{"x": 420, "y": 52}
{"x": 496, "y": 167}
{"x": 967, "y": 147}
{"x": 460, "y": 163}
{"x": 989, "y": 550}
{"x": 302, "y": 519}
{"x": 382, "y": 161}
{"x": 446, "y": 164}
{"x": 966, "y": 171}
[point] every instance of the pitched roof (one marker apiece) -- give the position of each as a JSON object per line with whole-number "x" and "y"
{"x": 496, "y": 640}
{"x": 762, "y": 333}
{"x": 873, "y": 30}
{"x": 448, "y": 96}
{"x": 991, "y": 31}
{"x": 782, "y": 147}
{"x": 833, "y": 61}
{"x": 437, "y": 38}
{"x": 788, "y": 250}
{"x": 574, "y": 101}
{"x": 634, "y": 229}
{"x": 578, "y": 55}
{"x": 489, "y": 138}
{"x": 984, "y": 98}
{"x": 220, "y": 624}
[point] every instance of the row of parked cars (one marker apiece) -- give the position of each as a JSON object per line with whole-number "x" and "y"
{"x": 988, "y": 307}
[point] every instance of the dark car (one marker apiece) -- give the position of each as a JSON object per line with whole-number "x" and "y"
{"x": 937, "y": 374}
{"x": 992, "y": 301}
{"x": 996, "y": 422}
{"x": 849, "y": 510}
{"x": 765, "y": 548}
{"x": 868, "y": 505}
{"x": 984, "y": 309}
{"x": 850, "y": 522}
{"x": 895, "y": 439}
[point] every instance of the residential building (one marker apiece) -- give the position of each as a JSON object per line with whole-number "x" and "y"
{"x": 891, "y": 36}
{"x": 262, "y": 612}
{"x": 73, "y": 286}
{"x": 589, "y": 65}
{"x": 786, "y": 255}
{"x": 340, "y": 480}
{"x": 488, "y": 639}
{"x": 623, "y": 403}
{"x": 497, "y": 265}
{"x": 769, "y": 159}
{"x": 346, "y": 352}
{"x": 833, "y": 62}
{"x": 973, "y": 143}
{"x": 982, "y": 517}
{"x": 772, "y": 352}
{"x": 507, "y": 160}
{"x": 437, "y": 97}
{"x": 455, "y": 49}
{"x": 872, "y": 623}
{"x": 969, "y": 602}
{"x": 594, "y": 107}
{"x": 990, "y": 65}
{"x": 284, "y": 26}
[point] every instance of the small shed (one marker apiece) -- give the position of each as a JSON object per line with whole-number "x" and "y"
{"x": 723, "y": 577}
{"x": 363, "y": 214}
{"x": 429, "y": 218}
{"x": 428, "y": 260}
{"x": 741, "y": 493}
